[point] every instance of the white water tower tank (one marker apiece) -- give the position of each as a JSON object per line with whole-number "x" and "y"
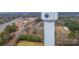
{"x": 49, "y": 16}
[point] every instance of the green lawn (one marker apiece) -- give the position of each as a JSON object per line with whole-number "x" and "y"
{"x": 28, "y": 43}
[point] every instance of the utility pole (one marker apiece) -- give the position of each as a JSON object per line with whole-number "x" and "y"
{"x": 49, "y": 19}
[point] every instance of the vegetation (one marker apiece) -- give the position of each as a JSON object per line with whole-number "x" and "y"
{"x": 6, "y": 35}
{"x": 30, "y": 38}
{"x": 72, "y": 35}
{"x": 73, "y": 27}
{"x": 10, "y": 28}
{"x": 72, "y": 23}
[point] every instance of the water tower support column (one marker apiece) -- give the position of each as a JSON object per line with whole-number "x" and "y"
{"x": 49, "y": 19}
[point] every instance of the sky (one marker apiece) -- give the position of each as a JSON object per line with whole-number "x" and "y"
{"x": 39, "y": 13}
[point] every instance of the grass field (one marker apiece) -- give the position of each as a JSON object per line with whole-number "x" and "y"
{"x": 28, "y": 43}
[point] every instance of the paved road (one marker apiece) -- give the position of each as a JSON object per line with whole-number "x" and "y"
{"x": 3, "y": 26}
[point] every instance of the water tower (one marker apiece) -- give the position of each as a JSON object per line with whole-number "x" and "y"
{"x": 49, "y": 19}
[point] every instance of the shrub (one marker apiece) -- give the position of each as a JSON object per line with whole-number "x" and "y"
{"x": 23, "y": 37}
{"x": 72, "y": 35}
{"x": 30, "y": 38}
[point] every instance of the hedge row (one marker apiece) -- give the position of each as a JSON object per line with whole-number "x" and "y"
{"x": 30, "y": 38}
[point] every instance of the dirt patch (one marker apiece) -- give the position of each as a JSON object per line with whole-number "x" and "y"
{"x": 28, "y": 43}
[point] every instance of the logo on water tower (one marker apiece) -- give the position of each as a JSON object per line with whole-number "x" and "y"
{"x": 46, "y": 15}
{"x": 49, "y": 16}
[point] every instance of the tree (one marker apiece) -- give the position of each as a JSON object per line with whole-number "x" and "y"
{"x": 13, "y": 27}
{"x": 7, "y": 29}
{"x": 73, "y": 26}
{"x": 10, "y": 28}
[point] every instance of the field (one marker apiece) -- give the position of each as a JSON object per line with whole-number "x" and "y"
{"x": 28, "y": 43}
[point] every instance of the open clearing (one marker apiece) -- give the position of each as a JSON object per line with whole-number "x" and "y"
{"x": 28, "y": 43}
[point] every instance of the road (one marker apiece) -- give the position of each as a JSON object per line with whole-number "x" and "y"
{"x": 3, "y": 26}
